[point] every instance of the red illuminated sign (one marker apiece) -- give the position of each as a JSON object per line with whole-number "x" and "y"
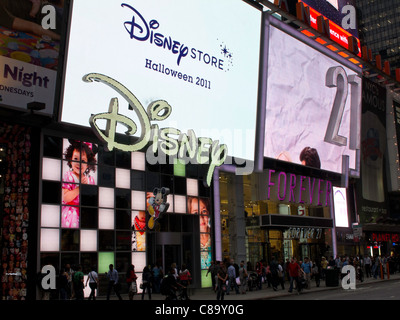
{"x": 380, "y": 237}
{"x": 337, "y": 33}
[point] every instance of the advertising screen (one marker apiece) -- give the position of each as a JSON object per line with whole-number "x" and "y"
{"x": 341, "y": 15}
{"x": 312, "y": 112}
{"x": 29, "y": 53}
{"x": 201, "y": 57}
{"x": 340, "y": 206}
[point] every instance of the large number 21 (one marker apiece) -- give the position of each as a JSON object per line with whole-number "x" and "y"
{"x": 337, "y": 77}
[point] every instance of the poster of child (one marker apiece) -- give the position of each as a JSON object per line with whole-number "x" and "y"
{"x": 79, "y": 168}
{"x": 139, "y": 234}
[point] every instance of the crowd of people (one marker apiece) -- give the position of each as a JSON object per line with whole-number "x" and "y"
{"x": 298, "y": 274}
{"x": 226, "y": 276}
{"x": 70, "y": 283}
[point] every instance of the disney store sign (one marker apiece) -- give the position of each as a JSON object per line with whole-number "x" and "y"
{"x": 163, "y": 142}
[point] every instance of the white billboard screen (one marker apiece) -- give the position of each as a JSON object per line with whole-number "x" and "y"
{"x": 313, "y": 102}
{"x": 340, "y": 206}
{"x": 202, "y": 57}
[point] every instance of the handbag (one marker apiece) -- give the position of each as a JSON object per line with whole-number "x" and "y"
{"x": 94, "y": 283}
{"x": 133, "y": 287}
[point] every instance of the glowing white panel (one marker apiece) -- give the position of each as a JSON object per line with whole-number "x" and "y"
{"x": 212, "y": 56}
{"x": 106, "y": 219}
{"x": 139, "y": 280}
{"x": 139, "y": 261}
{"x": 50, "y": 216}
{"x": 180, "y": 204}
{"x": 122, "y": 178}
{"x": 300, "y": 103}
{"x": 138, "y": 161}
{"x": 170, "y": 200}
{"x": 88, "y": 240}
{"x": 192, "y": 187}
{"x": 49, "y": 240}
{"x": 51, "y": 169}
{"x": 106, "y": 197}
{"x": 138, "y": 200}
{"x": 340, "y": 206}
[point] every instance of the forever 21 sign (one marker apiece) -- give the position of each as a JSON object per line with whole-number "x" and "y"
{"x": 304, "y": 233}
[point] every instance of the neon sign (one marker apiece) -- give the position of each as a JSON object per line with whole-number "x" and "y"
{"x": 298, "y": 189}
{"x": 186, "y": 147}
{"x": 381, "y": 237}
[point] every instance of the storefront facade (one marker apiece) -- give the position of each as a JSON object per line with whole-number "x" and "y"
{"x": 278, "y": 216}
{"x": 109, "y": 220}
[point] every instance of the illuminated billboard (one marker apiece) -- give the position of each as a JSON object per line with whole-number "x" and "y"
{"x": 312, "y": 106}
{"x": 29, "y": 54}
{"x": 340, "y": 207}
{"x": 342, "y": 19}
{"x": 204, "y": 63}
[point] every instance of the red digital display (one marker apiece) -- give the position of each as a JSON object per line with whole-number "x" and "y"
{"x": 337, "y": 33}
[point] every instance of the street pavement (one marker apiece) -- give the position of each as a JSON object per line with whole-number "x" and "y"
{"x": 263, "y": 294}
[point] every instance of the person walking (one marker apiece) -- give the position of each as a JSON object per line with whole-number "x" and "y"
{"x": 232, "y": 278}
{"x": 316, "y": 272}
{"x": 324, "y": 265}
{"x": 243, "y": 278}
{"x": 93, "y": 280}
{"x": 185, "y": 278}
{"x": 70, "y": 287}
{"x": 131, "y": 278}
{"x": 222, "y": 277}
{"x": 63, "y": 284}
{"x": 113, "y": 283}
{"x": 157, "y": 276}
{"x": 294, "y": 270}
{"x": 306, "y": 267}
{"x": 367, "y": 264}
{"x": 212, "y": 269}
{"x": 146, "y": 282}
{"x": 78, "y": 284}
{"x": 281, "y": 274}
{"x": 273, "y": 268}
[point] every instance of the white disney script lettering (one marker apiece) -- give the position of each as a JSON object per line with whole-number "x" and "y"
{"x": 185, "y": 147}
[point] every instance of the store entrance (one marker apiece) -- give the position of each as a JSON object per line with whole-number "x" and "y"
{"x": 166, "y": 248}
{"x": 167, "y": 255}
{"x": 310, "y": 250}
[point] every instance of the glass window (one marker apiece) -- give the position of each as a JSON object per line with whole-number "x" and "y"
{"x": 138, "y": 180}
{"x": 123, "y": 219}
{"x": 106, "y": 240}
{"x": 89, "y": 260}
{"x": 122, "y": 159}
{"x": 51, "y": 192}
{"x": 123, "y": 241}
{"x": 70, "y": 240}
{"x": 123, "y": 198}
{"x": 106, "y": 176}
{"x": 90, "y": 195}
{"x": 52, "y": 147}
{"x": 89, "y": 218}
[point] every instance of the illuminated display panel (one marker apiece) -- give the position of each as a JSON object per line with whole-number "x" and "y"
{"x": 332, "y": 10}
{"x": 340, "y": 207}
{"x": 312, "y": 100}
{"x": 29, "y": 54}
{"x": 202, "y": 62}
{"x": 106, "y": 222}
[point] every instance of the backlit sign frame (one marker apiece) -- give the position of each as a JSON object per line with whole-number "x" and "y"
{"x": 336, "y": 132}
{"x": 160, "y": 52}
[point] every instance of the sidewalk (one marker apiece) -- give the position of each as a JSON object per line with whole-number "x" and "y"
{"x": 264, "y": 293}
